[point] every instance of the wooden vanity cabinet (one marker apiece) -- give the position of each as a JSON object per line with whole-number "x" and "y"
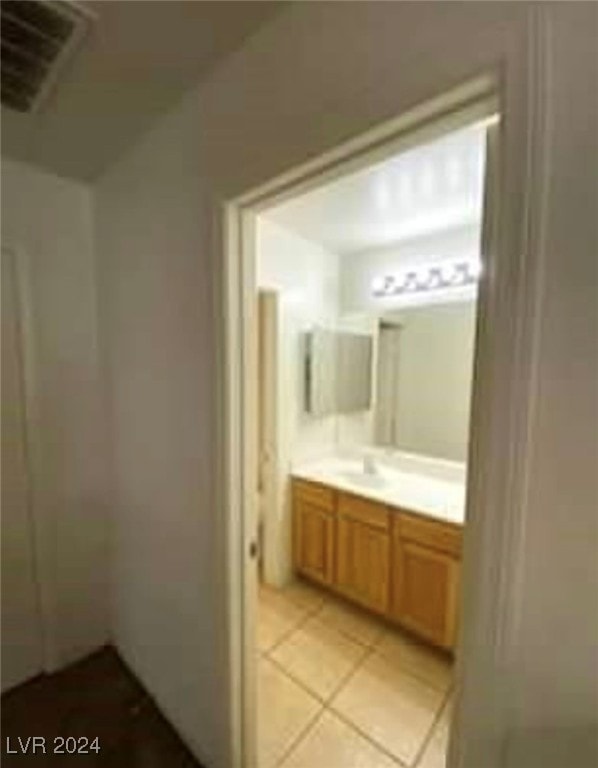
{"x": 403, "y": 566}
{"x": 425, "y": 577}
{"x": 314, "y": 531}
{"x": 363, "y": 552}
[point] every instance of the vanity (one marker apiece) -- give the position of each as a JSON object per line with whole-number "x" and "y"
{"x": 391, "y": 544}
{"x": 378, "y": 513}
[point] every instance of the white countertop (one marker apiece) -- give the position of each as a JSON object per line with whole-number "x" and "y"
{"x": 415, "y": 492}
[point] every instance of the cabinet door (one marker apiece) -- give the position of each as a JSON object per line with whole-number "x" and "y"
{"x": 363, "y": 563}
{"x": 425, "y": 589}
{"x": 314, "y": 541}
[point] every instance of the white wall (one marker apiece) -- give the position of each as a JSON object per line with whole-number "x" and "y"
{"x": 47, "y": 221}
{"x": 306, "y": 278}
{"x": 281, "y": 100}
{"x": 22, "y": 652}
{"x": 435, "y": 371}
{"x": 156, "y": 310}
{"x": 360, "y": 269}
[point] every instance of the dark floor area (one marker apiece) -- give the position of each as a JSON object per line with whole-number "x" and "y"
{"x": 97, "y": 697}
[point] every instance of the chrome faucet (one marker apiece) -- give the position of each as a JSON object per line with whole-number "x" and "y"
{"x": 369, "y": 464}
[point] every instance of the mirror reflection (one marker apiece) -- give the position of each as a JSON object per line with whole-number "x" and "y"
{"x": 402, "y": 383}
{"x": 423, "y": 380}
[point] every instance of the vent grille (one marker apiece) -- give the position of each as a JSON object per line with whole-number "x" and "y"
{"x": 38, "y": 37}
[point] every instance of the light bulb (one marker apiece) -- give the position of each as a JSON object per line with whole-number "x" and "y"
{"x": 378, "y": 285}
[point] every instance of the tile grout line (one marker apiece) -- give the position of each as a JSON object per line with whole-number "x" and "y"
{"x": 407, "y": 670}
{"x": 366, "y": 652}
{"x": 345, "y": 633}
{"x": 324, "y": 700}
{"x": 301, "y": 736}
{"x": 287, "y": 634}
{"x": 380, "y": 747}
{"x": 428, "y": 737}
{"x": 372, "y": 651}
{"x": 315, "y": 612}
{"x": 326, "y": 703}
{"x": 326, "y": 706}
{"x": 297, "y": 682}
{"x": 321, "y": 705}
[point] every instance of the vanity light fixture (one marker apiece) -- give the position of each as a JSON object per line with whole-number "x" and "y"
{"x": 428, "y": 277}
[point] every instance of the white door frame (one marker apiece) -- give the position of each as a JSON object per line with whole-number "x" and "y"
{"x": 503, "y": 394}
{"x": 269, "y": 465}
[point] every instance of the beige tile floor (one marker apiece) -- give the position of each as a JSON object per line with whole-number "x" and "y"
{"x": 339, "y": 689}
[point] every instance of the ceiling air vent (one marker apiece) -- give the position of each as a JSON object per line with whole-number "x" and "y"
{"x": 38, "y": 37}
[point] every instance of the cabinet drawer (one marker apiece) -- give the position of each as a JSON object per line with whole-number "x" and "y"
{"x": 430, "y": 533}
{"x": 313, "y": 493}
{"x": 364, "y": 511}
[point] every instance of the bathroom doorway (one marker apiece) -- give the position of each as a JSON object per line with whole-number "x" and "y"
{"x": 313, "y": 542}
{"x": 376, "y": 277}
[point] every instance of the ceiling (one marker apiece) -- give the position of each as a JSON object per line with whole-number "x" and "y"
{"x": 432, "y": 187}
{"x": 138, "y": 59}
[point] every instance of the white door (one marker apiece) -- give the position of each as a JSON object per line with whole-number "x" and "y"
{"x": 21, "y": 642}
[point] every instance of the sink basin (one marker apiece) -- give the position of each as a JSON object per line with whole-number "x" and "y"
{"x": 364, "y": 479}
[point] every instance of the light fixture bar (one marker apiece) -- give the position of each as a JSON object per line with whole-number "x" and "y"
{"x": 427, "y": 278}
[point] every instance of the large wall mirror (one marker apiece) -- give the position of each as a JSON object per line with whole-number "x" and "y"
{"x": 402, "y": 383}
{"x": 423, "y": 379}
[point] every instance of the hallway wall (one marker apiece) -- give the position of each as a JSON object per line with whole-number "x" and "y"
{"x": 283, "y": 99}
{"x": 47, "y": 222}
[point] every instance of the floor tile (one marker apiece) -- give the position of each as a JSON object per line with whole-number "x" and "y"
{"x": 284, "y": 711}
{"x": 318, "y": 656}
{"x": 390, "y": 706}
{"x": 331, "y": 743}
{"x": 305, "y": 595}
{"x": 434, "y": 755}
{"x": 430, "y": 665}
{"x": 276, "y": 617}
{"x": 355, "y": 623}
